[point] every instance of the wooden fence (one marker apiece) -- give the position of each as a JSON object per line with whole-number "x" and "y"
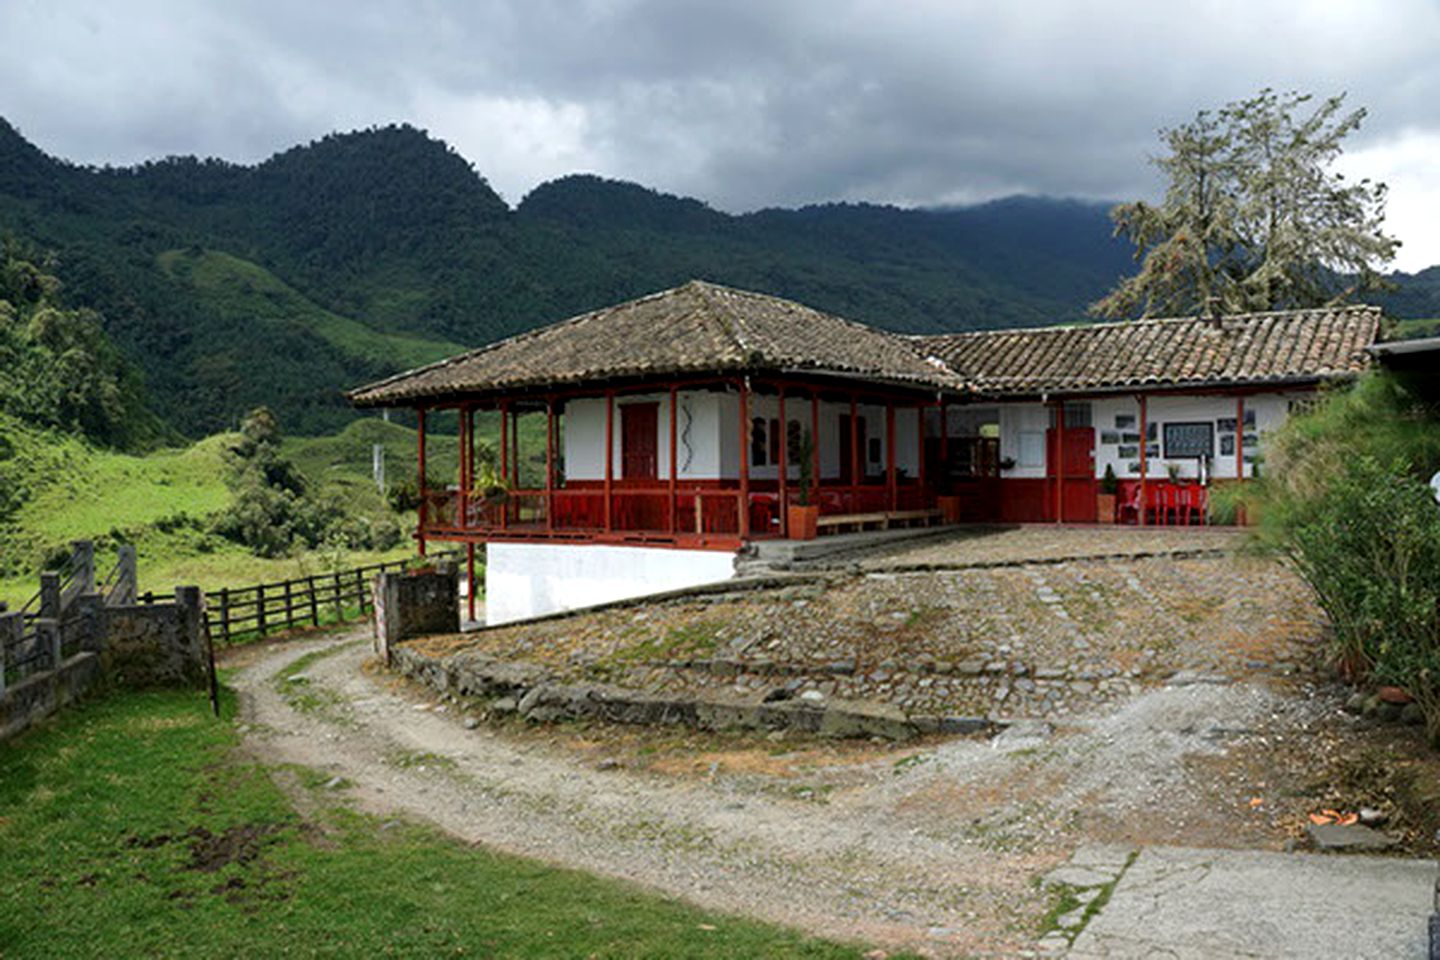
{"x": 232, "y": 612}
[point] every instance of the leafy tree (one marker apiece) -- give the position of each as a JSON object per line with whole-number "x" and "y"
{"x": 1254, "y": 217}
{"x": 272, "y": 511}
{"x": 57, "y": 367}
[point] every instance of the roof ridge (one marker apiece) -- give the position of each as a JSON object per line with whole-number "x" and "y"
{"x": 1152, "y": 321}
{"x": 514, "y": 338}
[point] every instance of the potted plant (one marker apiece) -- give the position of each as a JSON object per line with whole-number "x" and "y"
{"x": 1105, "y": 499}
{"x": 801, "y": 516}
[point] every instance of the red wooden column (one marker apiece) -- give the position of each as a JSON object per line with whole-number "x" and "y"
{"x": 514, "y": 451}
{"x": 674, "y": 399}
{"x": 504, "y": 460}
{"x": 609, "y": 454}
{"x": 549, "y": 463}
{"x": 1144, "y": 460}
{"x": 1060, "y": 461}
{"x": 466, "y": 465}
{"x": 854, "y": 452}
{"x": 420, "y": 484}
{"x": 890, "y": 477}
{"x": 814, "y": 448}
{"x": 784, "y": 468}
{"x": 744, "y": 519}
{"x": 1240, "y": 438}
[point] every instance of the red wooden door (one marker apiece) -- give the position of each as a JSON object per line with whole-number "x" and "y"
{"x": 639, "y": 435}
{"x": 1077, "y": 487}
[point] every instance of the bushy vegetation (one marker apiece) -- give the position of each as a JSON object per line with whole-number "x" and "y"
{"x": 1349, "y": 502}
{"x": 273, "y": 511}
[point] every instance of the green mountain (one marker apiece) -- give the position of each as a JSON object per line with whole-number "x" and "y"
{"x": 360, "y": 254}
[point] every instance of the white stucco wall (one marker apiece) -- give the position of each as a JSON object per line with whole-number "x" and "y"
{"x": 710, "y": 449}
{"x": 697, "y": 454}
{"x": 532, "y": 579}
{"x": 1019, "y": 419}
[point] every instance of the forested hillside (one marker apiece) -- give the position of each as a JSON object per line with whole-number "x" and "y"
{"x": 337, "y": 262}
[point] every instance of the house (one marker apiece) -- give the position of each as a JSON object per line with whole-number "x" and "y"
{"x": 681, "y": 427}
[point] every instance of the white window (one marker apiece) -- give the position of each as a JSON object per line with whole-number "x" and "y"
{"x": 1031, "y": 452}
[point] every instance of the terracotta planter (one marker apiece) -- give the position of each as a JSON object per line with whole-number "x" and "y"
{"x": 1104, "y": 508}
{"x": 949, "y": 508}
{"x": 802, "y": 521}
{"x": 1394, "y": 695}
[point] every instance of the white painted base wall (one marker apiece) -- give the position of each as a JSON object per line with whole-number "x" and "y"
{"x": 525, "y": 580}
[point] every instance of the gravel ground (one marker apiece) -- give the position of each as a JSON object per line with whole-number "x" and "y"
{"x": 933, "y": 846}
{"x": 989, "y": 544}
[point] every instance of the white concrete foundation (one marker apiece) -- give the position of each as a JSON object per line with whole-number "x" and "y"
{"x": 524, "y": 580}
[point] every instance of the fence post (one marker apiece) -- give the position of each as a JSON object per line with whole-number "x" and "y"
{"x": 50, "y": 595}
{"x": 11, "y": 627}
{"x": 127, "y": 581}
{"x": 260, "y": 608}
{"x": 314, "y": 601}
{"x": 289, "y": 606}
{"x": 360, "y": 590}
{"x": 50, "y": 630}
{"x": 82, "y": 559}
{"x": 339, "y": 601}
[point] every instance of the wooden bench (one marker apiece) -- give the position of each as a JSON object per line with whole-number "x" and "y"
{"x": 882, "y": 520}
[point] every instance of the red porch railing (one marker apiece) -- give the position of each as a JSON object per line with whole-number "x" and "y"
{"x": 645, "y": 512}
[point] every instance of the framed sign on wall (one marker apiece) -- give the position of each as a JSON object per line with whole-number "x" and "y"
{"x": 1189, "y": 440}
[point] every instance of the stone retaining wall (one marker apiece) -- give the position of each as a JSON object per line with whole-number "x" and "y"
{"x": 535, "y": 694}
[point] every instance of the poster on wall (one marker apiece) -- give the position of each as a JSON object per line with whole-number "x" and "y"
{"x": 1130, "y": 451}
{"x": 1109, "y": 436}
{"x": 1188, "y": 440}
{"x": 1227, "y": 445}
{"x": 1124, "y": 421}
{"x": 1225, "y": 425}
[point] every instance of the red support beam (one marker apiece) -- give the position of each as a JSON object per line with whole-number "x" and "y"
{"x": 784, "y": 469}
{"x": 814, "y": 448}
{"x": 944, "y": 441}
{"x": 1240, "y": 438}
{"x": 1144, "y": 460}
{"x": 890, "y": 477}
{"x": 854, "y": 452}
{"x": 609, "y": 455}
{"x": 744, "y": 519}
{"x": 674, "y": 398}
{"x": 504, "y": 461}
{"x": 466, "y": 466}
{"x": 420, "y": 484}
{"x": 549, "y": 464}
{"x": 514, "y": 450}
{"x": 1060, "y": 461}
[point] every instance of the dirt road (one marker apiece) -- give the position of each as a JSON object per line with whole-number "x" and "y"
{"x": 935, "y": 847}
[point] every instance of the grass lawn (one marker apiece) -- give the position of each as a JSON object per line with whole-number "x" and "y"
{"x": 131, "y": 826}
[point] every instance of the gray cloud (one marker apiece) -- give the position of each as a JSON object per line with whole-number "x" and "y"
{"x": 744, "y": 104}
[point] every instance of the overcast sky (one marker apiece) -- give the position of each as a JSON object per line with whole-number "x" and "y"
{"x": 742, "y": 103}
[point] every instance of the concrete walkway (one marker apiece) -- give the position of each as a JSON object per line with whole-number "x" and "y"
{"x": 1225, "y": 904}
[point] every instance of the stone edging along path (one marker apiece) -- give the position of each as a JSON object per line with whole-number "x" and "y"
{"x": 531, "y": 692}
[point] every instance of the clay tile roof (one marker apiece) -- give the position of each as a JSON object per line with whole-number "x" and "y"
{"x": 1300, "y": 346}
{"x": 695, "y": 328}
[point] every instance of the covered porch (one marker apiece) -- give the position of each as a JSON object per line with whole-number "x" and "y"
{"x": 703, "y": 462}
